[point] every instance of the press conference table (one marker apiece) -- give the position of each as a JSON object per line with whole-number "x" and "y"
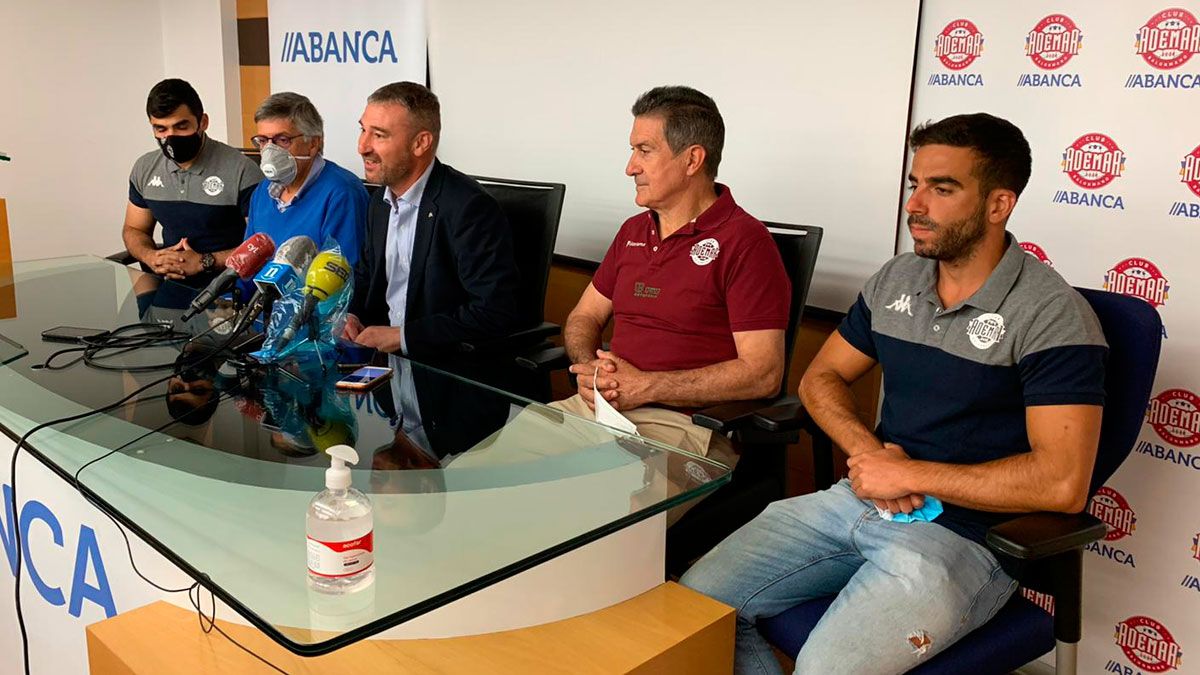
{"x": 472, "y": 487}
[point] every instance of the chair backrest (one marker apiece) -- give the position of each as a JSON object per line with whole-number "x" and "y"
{"x": 798, "y": 246}
{"x": 372, "y": 188}
{"x": 1133, "y": 330}
{"x": 533, "y": 210}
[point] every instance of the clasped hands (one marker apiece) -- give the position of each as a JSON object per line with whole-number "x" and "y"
{"x": 621, "y": 383}
{"x": 176, "y": 262}
{"x": 881, "y": 476}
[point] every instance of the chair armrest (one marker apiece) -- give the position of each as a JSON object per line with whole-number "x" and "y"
{"x": 729, "y": 417}
{"x": 526, "y": 337}
{"x": 545, "y": 360}
{"x": 123, "y": 257}
{"x": 1040, "y": 535}
{"x": 786, "y": 415}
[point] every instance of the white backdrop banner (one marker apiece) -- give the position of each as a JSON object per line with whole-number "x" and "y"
{"x": 337, "y": 53}
{"x": 1108, "y": 94}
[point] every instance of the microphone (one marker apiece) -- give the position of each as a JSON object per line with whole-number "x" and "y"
{"x": 329, "y": 272}
{"x": 245, "y": 260}
{"x": 280, "y": 276}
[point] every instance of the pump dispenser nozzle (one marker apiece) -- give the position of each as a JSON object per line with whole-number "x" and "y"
{"x": 337, "y": 476}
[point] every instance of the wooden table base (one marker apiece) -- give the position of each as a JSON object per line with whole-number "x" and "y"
{"x": 668, "y": 630}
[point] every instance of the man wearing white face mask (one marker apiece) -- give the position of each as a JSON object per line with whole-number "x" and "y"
{"x": 304, "y": 194}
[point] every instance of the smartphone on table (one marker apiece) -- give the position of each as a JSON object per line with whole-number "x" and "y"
{"x": 364, "y": 378}
{"x": 71, "y": 334}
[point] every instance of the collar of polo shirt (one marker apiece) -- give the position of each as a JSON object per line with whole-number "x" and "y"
{"x": 994, "y": 290}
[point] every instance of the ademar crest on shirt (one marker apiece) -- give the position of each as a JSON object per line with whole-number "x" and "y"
{"x": 706, "y": 251}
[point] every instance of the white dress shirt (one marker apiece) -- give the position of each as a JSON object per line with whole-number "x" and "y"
{"x": 401, "y": 235}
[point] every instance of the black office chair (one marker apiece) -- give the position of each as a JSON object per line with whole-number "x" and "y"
{"x": 1046, "y": 549}
{"x": 758, "y": 479}
{"x": 533, "y": 211}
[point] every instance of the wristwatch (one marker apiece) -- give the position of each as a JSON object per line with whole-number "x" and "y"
{"x": 207, "y": 262}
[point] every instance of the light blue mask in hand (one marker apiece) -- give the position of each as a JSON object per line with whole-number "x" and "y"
{"x": 930, "y": 510}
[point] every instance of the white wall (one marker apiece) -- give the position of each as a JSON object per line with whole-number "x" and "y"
{"x": 73, "y": 83}
{"x": 72, "y": 115}
{"x": 814, "y": 96}
{"x": 200, "y": 46}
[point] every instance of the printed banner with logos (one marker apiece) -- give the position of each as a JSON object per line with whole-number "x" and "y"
{"x": 336, "y": 54}
{"x": 1108, "y": 94}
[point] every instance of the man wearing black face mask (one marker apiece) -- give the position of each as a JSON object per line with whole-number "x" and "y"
{"x": 196, "y": 187}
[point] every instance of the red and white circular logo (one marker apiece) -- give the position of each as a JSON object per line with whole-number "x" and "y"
{"x": 1093, "y": 161}
{"x": 1053, "y": 41}
{"x": 1148, "y": 644}
{"x": 1169, "y": 38}
{"x": 1110, "y": 507}
{"x": 1189, "y": 170}
{"x": 958, "y": 45}
{"x": 1175, "y": 416}
{"x": 706, "y": 251}
{"x": 1036, "y": 251}
{"x": 1139, "y": 278}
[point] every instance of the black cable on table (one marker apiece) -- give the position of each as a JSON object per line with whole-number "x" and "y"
{"x": 95, "y": 348}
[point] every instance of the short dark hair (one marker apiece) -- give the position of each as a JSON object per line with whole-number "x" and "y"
{"x": 422, "y": 104}
{"x": 171, "y": 93}
{"x": 689, "y": 118}
{"x": 1004, "y": 157}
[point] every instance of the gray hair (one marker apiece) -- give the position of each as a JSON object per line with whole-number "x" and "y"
{"x": 422, "y": 105}
{"x": 689, "y": 118}
{"x": 294, "y": 108}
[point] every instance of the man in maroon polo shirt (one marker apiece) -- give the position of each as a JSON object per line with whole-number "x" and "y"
{"x": 694, "y": 284}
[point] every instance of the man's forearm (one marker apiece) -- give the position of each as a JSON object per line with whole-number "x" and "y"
{"x": 581, "y": 338}
{"x": 733, "y": 380}
{"x": 1017, "y": 484}
{"x": 831, "y": 404}
{"x": 138, "y": 242}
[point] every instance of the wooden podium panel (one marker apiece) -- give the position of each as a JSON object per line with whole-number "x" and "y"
{"x": 8, "y": 296}
{"x": 667, "y": 630}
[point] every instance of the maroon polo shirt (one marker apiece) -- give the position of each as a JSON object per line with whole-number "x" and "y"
{"x": 678, "y": 301}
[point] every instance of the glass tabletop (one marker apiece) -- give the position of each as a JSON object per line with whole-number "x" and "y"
{"x": 215, "y": 463}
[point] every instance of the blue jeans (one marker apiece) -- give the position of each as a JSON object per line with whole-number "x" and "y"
{"x": 904, "y": 591}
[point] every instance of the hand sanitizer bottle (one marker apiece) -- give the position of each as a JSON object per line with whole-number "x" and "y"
{"x": 341, "y": 546}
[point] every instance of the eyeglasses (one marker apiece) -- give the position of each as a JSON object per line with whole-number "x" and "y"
{"x": 282, "y": 140}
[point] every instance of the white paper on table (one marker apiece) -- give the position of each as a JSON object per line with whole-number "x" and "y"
{"x": 608, "y": 415}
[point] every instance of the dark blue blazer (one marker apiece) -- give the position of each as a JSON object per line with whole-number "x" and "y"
{"x": 463, "y": 282}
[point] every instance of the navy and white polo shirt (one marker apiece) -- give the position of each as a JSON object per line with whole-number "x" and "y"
{"x": 957, "y": 380}
{"x": 206, "y": 202}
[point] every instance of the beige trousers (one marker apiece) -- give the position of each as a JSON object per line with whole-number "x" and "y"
{"x": 676, "y": 430}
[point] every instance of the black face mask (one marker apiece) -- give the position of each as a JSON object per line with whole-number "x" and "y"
{"x": 180, "y": 149}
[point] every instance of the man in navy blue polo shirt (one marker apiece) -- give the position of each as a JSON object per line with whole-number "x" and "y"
{"x": 993, "y": 391}
{"x": 196, "y": 187}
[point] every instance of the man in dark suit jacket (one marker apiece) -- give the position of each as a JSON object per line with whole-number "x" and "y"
{"x": 437, "y": 267}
